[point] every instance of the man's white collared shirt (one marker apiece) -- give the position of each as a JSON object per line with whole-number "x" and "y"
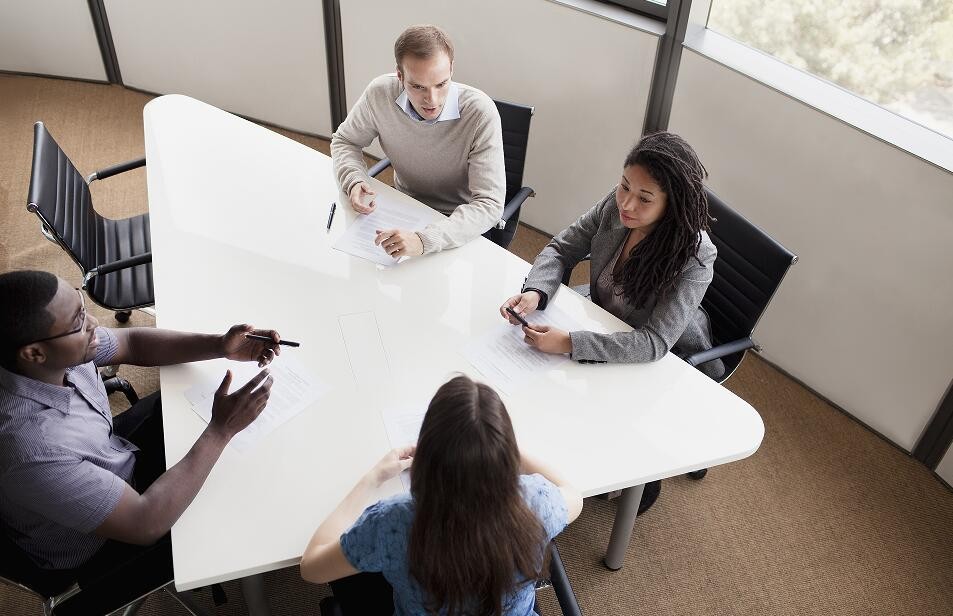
{"x": 450, "y": 111}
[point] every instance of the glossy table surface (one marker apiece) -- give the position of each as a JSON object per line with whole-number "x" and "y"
{"x": 238, "y": 217}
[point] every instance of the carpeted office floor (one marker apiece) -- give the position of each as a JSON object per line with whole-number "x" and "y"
{"x": 826, "y": 518}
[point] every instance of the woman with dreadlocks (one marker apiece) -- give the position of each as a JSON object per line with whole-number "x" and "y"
{"x": 651, "y": 262}
{"x": 651, "y": 265}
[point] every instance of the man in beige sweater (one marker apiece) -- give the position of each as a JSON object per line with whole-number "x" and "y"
{"x": 443, "y": 139}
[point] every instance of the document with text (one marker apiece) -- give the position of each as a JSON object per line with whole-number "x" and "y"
{"x": 292, "y": 391}
{"x": 358, "y": 240}
{"x": 506, "y": 361}
{"x": 402, "y": 424}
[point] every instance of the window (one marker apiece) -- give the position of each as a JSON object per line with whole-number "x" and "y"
{"x": 653, "y": 8}
{"x": 896, "y": 53}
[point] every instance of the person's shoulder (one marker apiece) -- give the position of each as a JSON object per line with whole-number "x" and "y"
{"x": 546, "y": 500}
{"x": 397, "y": 509}
{"x": 538, "y": 491}
{"x": 475, "y": 101}
{"x": 707, "y": 251}
{"x": 383, "y": 86}
{"x": 607, "y": 209}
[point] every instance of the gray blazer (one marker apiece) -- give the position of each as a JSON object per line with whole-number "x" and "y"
{"x": 676, "y": 323}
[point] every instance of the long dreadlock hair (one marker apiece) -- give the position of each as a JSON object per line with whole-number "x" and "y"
{"x": 654, "y": 264}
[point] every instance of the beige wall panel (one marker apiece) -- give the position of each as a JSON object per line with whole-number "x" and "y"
{"x": 265, "y": 60}
{"x": 866, "y": 316}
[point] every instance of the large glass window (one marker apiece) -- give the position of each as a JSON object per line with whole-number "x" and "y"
{"x": 896, "y": 53}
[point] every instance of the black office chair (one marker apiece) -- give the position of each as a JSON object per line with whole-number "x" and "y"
{"x": 748, "y": 271}
{"x": 515, "y": 121}
{"x": 113, "y": 254}
{"x": 558, "y": 579}
{"x": 82, "y": 597}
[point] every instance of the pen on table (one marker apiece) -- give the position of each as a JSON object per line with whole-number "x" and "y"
{"x": 523, "y": 321}
{"x": 334, "y": 206}
{"x": 269, "y": 339}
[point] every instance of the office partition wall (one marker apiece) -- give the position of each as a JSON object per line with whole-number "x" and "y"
{"x": 49, "y": 37}
{"x": 864, "y": 317}
{"x": 945, "y": 469}
{"x": 259, "y": 59}
{"x": 587, "y": 76}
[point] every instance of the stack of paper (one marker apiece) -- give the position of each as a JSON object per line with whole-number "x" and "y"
{"x": 292, "y": 391}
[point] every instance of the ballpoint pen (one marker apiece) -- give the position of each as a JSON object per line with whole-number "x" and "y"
{"x": 522, "y": 321}
{"x": 269, "y": 339}
{"x": 334, "y": 206}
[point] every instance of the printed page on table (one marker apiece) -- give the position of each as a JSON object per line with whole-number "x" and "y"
{"x": 402, "y": 424}
{"x": 504, "y": 358}
{"x": 294, "y": 389}
{"x": 358, "y": 240}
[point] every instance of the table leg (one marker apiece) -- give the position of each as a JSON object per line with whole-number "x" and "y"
{"x": 628, "y": 508}
{"x": 253, "y": 589}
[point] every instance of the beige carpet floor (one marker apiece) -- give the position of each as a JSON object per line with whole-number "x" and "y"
{"x": 826, "y": 518}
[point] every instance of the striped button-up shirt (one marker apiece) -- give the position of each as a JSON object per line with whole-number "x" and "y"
{"x": 62, "y": 470}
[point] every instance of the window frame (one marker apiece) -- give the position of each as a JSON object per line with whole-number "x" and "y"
{"x": 644, "y": 7}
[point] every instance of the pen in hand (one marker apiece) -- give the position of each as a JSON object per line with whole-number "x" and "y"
{"x": 334, "y": 206}
{"x": 269, "y": 339}
{"x": 522, "y": 321}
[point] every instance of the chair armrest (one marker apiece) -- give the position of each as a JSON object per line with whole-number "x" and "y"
{"x": 516, "y": 202}
{"x": 115, "y": 266}
{"x": 564, "y": 593}
{"x": 115, "y": 170}
{"x": 722, "y": 350}
{"x": 380, "y": 166}
{"x": 567, "y": 274}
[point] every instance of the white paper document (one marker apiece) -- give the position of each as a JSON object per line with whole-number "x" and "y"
{"x": 506, "y": 361}
{"x": 292, "y": 391}
{"x": 402, "y": 425}
{"x": 358, "y": 240}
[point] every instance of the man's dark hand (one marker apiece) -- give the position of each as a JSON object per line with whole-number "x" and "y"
{"x": 237, "y": 346}
{"x": 232, "y": 413}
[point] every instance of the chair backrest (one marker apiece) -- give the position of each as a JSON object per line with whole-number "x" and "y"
{"x": 515, "y": 121}
{"x": 748, "y": 272}
{"x": 60, "y": 197}
{"x": 17, "y": 568}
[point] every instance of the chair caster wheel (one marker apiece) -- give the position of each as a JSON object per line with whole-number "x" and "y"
{"x": 123, "y": 316}
{"x": 696, "y": 475}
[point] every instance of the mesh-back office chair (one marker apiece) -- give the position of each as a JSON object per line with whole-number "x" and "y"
{"x": 568, "y": 604}
{"x": 515, "y": 120}
{"x": 114, "y": 254}
{"x": 748, "y": 271}
{"x": 85, "y": 597}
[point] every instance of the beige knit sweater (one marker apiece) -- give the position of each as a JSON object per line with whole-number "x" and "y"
{"x": 454, "y": 166}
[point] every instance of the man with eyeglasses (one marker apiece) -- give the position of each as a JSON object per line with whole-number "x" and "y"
{"x": 80, "y": 492}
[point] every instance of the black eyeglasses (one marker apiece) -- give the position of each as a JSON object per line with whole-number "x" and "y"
{"x": 82, "y": 325}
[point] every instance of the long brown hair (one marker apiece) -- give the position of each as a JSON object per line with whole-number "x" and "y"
{"x": 473, "y": 539}
{"x": 655, "y": 263}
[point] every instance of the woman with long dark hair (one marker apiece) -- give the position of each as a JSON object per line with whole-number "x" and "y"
{"x": 651, "y": 262}
{"x": 472, "y": 535}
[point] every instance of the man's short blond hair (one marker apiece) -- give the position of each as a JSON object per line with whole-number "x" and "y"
{"x": 423, "y": 41}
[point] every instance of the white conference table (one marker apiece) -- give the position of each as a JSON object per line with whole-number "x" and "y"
{"x": 238, "y": 217}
